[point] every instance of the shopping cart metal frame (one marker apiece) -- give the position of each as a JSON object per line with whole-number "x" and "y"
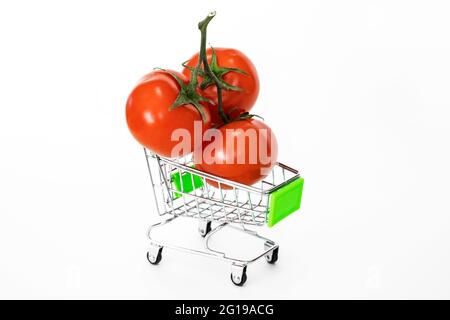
{"x": 181, "y": 191}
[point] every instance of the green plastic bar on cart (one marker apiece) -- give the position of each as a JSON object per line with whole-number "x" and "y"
{"x": 285, "y": 201}
{"x": 185, "y": 183}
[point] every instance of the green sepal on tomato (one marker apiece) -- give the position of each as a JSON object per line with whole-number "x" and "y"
{"x": 238, "y": 77}
{"x": 160, "y": 104}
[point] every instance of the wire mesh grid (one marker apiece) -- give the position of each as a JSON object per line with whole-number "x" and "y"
{"x": 229, "y": 201}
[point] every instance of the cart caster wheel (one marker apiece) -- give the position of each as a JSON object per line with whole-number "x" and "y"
{"x": 204, "y": 228}
{"x": 272, "y": 256}
{"x": 239, "y": 281}
{"x": 154, "y": 255}
{"x": 238, "y": 275}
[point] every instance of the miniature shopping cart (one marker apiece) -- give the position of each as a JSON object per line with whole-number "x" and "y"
{"x": 182, "y": 191}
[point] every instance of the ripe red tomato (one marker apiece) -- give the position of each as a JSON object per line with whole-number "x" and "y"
{"x": 242, "y": 156}
{"x": 149, "y": 118}
{"x": 234, "y": 101}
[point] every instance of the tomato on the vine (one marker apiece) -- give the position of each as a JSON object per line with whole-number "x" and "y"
{"x": 155, "y": 109}
{"x": 238, "y": 76}
{"x": 247, "y": 153}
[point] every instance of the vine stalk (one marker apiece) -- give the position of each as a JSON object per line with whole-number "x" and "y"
{"x": 203, "y": 59}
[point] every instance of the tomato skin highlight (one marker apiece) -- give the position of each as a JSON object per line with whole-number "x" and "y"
{"x": 226, "y": 164}
{"x": 149, "y": 118}
{"x": 233, "y": 102}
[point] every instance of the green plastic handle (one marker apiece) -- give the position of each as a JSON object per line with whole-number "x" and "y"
{"x": 285, "y": 201}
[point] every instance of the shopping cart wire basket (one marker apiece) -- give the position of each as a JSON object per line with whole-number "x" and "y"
{"x": 182, "y": 191}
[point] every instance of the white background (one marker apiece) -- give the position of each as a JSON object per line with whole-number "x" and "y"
{"x": 357, "y": 93}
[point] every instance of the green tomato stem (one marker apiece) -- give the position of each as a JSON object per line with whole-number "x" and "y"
{"x": 202, "y": 26}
